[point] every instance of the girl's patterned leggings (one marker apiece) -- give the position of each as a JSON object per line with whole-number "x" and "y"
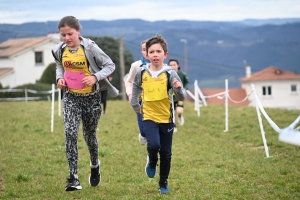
{"x": 85, "y": 108}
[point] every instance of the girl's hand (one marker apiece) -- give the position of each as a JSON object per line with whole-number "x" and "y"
{"x": 89, "y": 80}
{"x": 61, "y": 83}
{"x": 176, "y": 83}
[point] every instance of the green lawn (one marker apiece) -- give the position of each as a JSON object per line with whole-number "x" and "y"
{"x": 207, "y": 163}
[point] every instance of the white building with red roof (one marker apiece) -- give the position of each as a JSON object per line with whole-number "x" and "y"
{"x": 276, "y": 88}
{"x": 24, "y": 60}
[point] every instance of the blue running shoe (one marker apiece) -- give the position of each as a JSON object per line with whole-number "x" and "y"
{"x": 163, "y": 188}
{"x": 149, "y": 171}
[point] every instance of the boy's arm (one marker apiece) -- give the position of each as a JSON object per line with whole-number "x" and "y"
{"x": 136, "y": 91}
{"x": 178, "y": 91}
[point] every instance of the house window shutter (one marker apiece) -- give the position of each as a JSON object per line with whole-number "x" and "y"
{"x": 269, "y": 90}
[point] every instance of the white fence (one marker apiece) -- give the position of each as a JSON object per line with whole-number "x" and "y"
{"x": 290, "y": 134}
{"x": 26, "y": 96}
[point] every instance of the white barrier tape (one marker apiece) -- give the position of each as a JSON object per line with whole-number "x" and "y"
{"x": 289, "y": 134}
{"x": 239, "y": 101}
{"x": 273, "y": 125}
{"x": 191, "y": 95}
{"x": 215, "y": 95}
{"x": 221, "y": 97}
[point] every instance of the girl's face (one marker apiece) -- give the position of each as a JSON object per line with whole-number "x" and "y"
{"x": 70, "y": 36}
{"x": 156, "y": 55}
{"x": 144, "y": 50}
{"x": 174, "y": 65}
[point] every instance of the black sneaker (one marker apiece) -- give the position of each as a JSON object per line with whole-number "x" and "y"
{"x": 95, "y": 177}
{"x": 73, "y": 184}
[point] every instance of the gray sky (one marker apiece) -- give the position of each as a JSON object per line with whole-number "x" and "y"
{"x": 20, "y": 11}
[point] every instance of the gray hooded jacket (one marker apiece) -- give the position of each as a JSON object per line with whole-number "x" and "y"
{"x": 100, "y": 64}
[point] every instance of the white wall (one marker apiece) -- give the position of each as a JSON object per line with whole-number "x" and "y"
{"x": 281, "y": 97}
{"x": 6, "y": 63}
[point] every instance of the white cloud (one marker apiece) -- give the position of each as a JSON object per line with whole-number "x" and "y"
{"x": 20, "y": 11}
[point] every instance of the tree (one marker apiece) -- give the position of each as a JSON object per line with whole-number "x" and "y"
{"x": 110, "y": 46}
{"x": 49, "y": 75}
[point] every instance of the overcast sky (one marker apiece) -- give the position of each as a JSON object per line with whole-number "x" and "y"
{"x": 20, "y": 11}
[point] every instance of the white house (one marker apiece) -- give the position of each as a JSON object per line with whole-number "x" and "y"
{"x": 24, "y": 60}
{"x": 274, "y": 87}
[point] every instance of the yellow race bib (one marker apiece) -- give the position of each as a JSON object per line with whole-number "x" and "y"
{"x": 154, "y": 88}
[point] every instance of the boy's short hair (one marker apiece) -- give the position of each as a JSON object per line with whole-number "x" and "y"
{"x": 157, "y": 39}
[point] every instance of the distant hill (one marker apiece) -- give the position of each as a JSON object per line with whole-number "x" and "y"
{"x": 216, "y": 50}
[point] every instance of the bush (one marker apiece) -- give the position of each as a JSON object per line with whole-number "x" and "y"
{"x": 49, "y": 75}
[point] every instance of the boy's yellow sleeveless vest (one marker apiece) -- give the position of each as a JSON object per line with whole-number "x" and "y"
{"x": 156, "y": 103}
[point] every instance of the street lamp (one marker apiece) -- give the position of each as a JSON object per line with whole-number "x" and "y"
{"x": 185, "y": 55}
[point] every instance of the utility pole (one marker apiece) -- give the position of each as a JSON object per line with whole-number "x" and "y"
{"x": 185, "y": 55}
{"x": 122, "y": 68}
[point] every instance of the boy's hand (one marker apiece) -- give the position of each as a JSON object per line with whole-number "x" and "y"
{"x": 138, "y": 111}
{"x": 176, "y": 83}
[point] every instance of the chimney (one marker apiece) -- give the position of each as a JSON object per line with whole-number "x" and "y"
{"x": 248, "y": 71}
{"x": 54, "y": 35}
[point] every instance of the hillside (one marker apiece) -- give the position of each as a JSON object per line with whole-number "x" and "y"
{"x": 216, "y": 50}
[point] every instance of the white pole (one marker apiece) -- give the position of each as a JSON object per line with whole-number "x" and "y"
{"x": 197, "y": 101}
{"x": 26, "y": 95}
{"x": 226, "y": 105}
{"x": 202, "y": 96}
{"x": 52, "y": 108}
{"x": 195, "y": 94}
{"x": 260, "y": 122}
{"x": 59, "y": 102}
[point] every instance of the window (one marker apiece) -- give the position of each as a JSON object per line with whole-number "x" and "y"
{"x": 293, "y": 88}
{"x": 39, "y": 57}
{"x": 267, "y": 90}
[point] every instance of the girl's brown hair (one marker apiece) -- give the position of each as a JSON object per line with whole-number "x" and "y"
{"x": 70, "y": 21}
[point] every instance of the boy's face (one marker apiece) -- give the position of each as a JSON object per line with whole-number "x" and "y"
{"x": 144, "y": 52}
{"x": 156, "y": 55}
{"x": 174, "y": 65}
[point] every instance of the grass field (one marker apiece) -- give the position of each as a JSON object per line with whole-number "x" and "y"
{"x": 207, "y": 163}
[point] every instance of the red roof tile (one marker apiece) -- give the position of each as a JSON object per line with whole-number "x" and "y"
{"x": 271, "y": 73}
